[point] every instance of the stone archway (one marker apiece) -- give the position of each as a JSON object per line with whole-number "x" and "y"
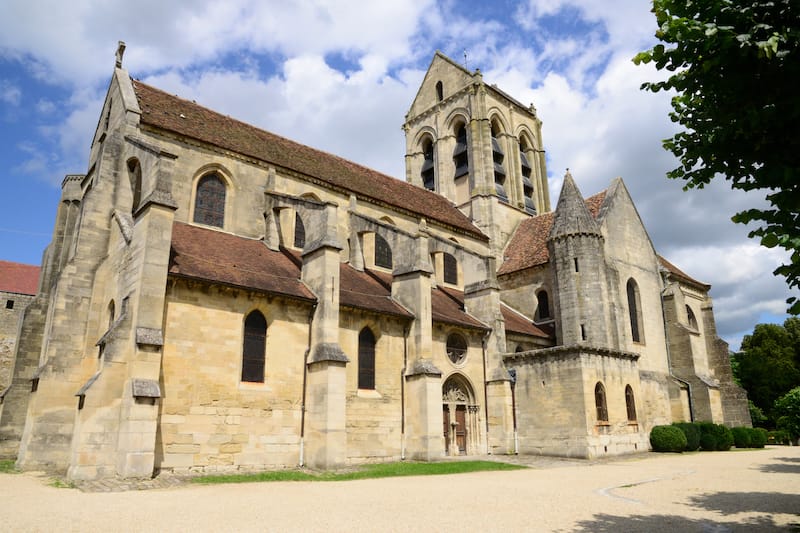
{"x": 460, "y": 424}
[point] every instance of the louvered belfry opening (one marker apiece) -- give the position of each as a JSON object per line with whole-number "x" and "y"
{"x": 460, "y": 153}
{"x": 527, "y": 184}
{"x": 428, "y": 171}
{"x": 499, "y": 172}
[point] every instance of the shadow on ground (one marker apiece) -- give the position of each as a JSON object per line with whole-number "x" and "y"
{"x": 653, "y": 523}
{"x": 787, "y": 465}
{"x": 724, "y": 503}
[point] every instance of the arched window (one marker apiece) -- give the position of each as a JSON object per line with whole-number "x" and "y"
{"x": 254, "y": 347}
{"x": 428, "y": 171}
{"x": 299, "y": 232}
{"x": 691, "y": 318}
{"x": 135, "y": 177}
{"x": 499, "y": 171}
{"x": 600, "y": 402}
{"x": 439, "y": 91}
{"x": 543, "y": 307}
{"x": 383, "y": 252}
{"x": 111, "y": 313}
{"x": 460, "y": 155}
{"x": 209, "y": 202}
{"x": 456, "y": 348}
{"x": 630, "y": 404}
{"x": 635, "y": 311}
{"x": 366, "y": 359}
{"x": 450, "y": 269}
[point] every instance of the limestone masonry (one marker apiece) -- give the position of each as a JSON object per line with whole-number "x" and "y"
{"x": 216, "y": 297}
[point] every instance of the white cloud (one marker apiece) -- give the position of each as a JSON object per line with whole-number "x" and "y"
{"x": 10, "y": 93}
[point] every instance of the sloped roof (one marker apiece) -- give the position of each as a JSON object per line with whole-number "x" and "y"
{"x": 164, "y": 111}
{"x": 209, "y": 255}
{"x": 681, "y": 275}
{"x": 365, "y": 290}
{"x": 19, "y": 278}
{"x": 447, "y": 306}
{"x": 517, "y": 323}
{"x": 528, "y": 246}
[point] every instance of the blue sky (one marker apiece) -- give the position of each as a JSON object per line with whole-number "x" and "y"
{"x": 340, "y": 76}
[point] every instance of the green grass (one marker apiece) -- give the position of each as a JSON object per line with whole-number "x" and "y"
{"x": 7, "y": 467}
{"x": 366, "y": 472}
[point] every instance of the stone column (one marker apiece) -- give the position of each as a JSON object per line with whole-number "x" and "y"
{"x": 326, "y": 436}
{"x": 424, "y": 437}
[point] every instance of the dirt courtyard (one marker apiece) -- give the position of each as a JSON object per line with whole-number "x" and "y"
{"x": 754, "y": 490}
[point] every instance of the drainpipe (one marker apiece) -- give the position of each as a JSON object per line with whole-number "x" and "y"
{"x": 669, "y": 358}
{"x": 305, "y": 380}
{"x": 406, "y": 330}
{"x": 513, "y": 373}
{"x": 486, "y": 391}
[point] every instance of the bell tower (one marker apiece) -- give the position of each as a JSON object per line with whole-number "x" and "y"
{"x": 478, "y": 147}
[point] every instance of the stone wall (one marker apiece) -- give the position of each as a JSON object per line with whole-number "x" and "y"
{"x": 9, "y": 328}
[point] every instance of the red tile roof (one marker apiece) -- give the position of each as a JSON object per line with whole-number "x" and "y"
{"x": 164, "y": 111}
{"x": 19, "y": 278}
{"x": 209, "y": 255}
{"x": 681, "y": 275}
{"x": 528, "y": 246}
{"x": 447, "y": 306}
{"x": 364, "y": 290}
{"x": 517, "y": 323}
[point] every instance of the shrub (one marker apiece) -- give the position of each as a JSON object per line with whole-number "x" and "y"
{"x": 778, "y": 437}
{"x": 742, "y": 438}
{"x": 724, "y": 437}
{"x": 708, "y": 442}
{"x": 692, "y": 433}
{"x": 667, "y": 439}
{"x": 758, "y": 437}
{"x": 714, "y": 437}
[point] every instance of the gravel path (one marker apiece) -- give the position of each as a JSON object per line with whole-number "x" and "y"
{"x": 756, "y": 490}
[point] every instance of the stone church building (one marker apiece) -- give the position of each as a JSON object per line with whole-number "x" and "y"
{"x": 216, "y": 297}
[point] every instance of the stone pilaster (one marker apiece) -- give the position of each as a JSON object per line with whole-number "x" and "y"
{"x": 424, "y": 439}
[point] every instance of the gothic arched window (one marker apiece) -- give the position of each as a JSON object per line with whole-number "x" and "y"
{"x": 635, "y": 311}
{"x": 450, "y": 269}
{"x": 254, "y": 347}
{"x": 630, "y": 404}
{"x": 428, "y": 171}
{"x": 543, "y": 307}
{"x": 135, "y": 177}
{"x": 366, "y": 359}
{"x": 209, "y": 202}
{"x": 299, "y": 232}
{"x": 460, "y": 154}
{"x": 383, "y": 252}
{"x": 600, "y": 402}
{"x": 691, "y": 318}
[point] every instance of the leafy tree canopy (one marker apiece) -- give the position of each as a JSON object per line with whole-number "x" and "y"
{"x": 788, "y": 409}
{"x": 735, "y": 67}
{"x": 768, "y": 364}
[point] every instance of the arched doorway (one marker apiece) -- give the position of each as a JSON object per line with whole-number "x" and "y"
{"x": 459, "y": 417}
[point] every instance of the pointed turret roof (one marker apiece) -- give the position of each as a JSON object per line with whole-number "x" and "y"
{"x": 571, "y": 216}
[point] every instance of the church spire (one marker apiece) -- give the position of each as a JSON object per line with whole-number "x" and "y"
{"x": 572, "y": 217}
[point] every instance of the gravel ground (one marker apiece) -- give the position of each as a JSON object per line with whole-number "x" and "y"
{"x": 756, "y": 490}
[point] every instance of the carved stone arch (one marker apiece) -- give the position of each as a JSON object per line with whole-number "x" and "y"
{"x": 457, "y": 388}
{"x": 496, "y": 117}
{"x": 474, "y": 268}
{"x": 422, "y": 134}
{"x": 523, "y": 134}
{"x": 456, "y": 116}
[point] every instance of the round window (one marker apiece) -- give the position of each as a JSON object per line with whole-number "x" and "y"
{"x": 456, "y": 348}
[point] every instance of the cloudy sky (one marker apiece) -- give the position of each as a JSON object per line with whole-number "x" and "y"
{"x": 340, "y": 75}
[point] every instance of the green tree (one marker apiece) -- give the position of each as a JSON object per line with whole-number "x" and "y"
{"x": 787, "y": 407}
{"x": 735, "y": 66}
{"x": 767, "y": 364}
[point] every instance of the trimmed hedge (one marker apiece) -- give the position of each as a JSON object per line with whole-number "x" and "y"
{"x": 742, "y": 437}
{"x": 667, "y": 439}
{"x": 758, "y": 437}
{"x": 692, "y": 433}
{"x": 715, "y": 437}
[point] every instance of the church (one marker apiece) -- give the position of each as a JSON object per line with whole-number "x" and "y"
{"x": 216, "y": 297}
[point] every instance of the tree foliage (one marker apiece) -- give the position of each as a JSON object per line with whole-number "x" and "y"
{"x": 788, "y": 409}
{"x": 735, "y": 66}
{"x": 768, "y": 364}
